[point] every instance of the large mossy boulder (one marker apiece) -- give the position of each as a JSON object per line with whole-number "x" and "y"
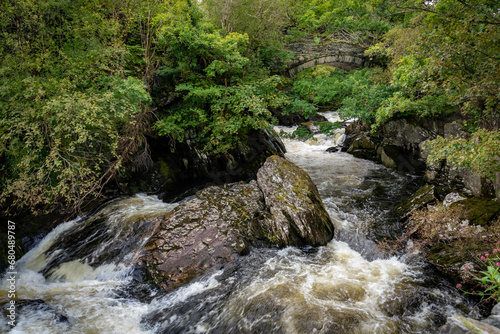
{"x": 221, "y": 223}
{"x": 298, "y": 215}
{"x": 205, "y": 233}
{"x": 462, "y": 325}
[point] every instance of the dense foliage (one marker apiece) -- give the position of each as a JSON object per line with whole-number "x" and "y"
{"x": 445, "y": 58}
{"x": 69, "y": 118}
{"x": 356, "y": 94}
{"x": 83, "y": 82}
{"x": 218, "y": 105}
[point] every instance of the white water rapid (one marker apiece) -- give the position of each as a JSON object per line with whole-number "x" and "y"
{"x": 78, "y": 294}
{"x": 345, "y": 287}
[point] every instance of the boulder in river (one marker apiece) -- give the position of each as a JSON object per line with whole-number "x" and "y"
{"x": 213, "y": 229}
{"x": 298, "y": 215}
{"x": 204, "y": 233}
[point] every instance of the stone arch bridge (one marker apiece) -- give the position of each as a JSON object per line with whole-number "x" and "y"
{"x": 341, "y": 54}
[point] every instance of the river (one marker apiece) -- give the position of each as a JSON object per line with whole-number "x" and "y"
{"x": 347, "y": 286}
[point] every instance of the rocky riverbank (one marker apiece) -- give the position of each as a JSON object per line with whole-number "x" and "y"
{"x": 454, "y": 219}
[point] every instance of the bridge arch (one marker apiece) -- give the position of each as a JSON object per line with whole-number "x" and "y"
{"x": 341, "y": 54}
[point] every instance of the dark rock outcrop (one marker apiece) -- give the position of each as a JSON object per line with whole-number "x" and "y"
{"x": 184, "y": 165}
{"x": 221, "y": 223}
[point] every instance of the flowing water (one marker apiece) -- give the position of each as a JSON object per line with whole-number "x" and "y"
{"x": 86, "y": 286}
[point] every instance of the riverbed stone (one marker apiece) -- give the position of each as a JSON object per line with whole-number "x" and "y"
{"x": 463, "y": 325}
{"x": 298, "y": 215}
{"x": 422, "y": 197}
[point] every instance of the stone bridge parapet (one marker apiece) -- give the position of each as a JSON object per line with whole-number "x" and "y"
{"x": 341, "y": 54}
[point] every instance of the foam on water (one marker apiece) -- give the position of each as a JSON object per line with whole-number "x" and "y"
{"x": 78, "y": 297}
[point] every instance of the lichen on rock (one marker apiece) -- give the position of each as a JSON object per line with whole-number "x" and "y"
{"x": 221, "y": 223}
{"x": 298, "y": 215}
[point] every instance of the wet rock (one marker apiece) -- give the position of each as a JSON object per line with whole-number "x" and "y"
{"x": 298, "y": 215}
{"x": 221, "y": 223}
{"x": 389, "y": 155}
{"x": 462, "y": 325}
{"x": 363, "y": 147}
{"x": 473, "y": 184}
{"x": 204, "y": 234}
{"x": 454, "y": 129}
{"x": 423, "y": 196}
{"x": 493, "y": 320}
{"x": 177, "y": 166}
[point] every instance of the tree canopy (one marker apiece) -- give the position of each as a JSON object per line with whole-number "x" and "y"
{"x": 81, "y": 81}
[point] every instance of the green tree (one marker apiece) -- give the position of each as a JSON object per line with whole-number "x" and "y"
{"x": 69, "y": 118}
{"x": 450, "y": 61}
{"x": 219, "y": 105}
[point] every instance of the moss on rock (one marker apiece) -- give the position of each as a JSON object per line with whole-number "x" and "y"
{"x": 480, "y": 211}
{"x": 423, "y": 196}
